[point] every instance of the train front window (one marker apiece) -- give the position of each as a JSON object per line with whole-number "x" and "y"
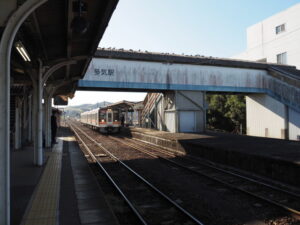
{"x": 109, "y": 117}
{"x": 103, "y": 116}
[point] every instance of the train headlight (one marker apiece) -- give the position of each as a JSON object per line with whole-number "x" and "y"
{"x": 116, "y": 120}
{"x": 102, "y": 120}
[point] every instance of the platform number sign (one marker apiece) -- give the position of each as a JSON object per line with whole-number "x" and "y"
{"x": 104, "y": 72}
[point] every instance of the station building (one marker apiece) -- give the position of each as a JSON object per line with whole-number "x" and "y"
{"x": 130, "y": 110}
{"x": 273, "y": 40}
{"x": 179, "y": 111}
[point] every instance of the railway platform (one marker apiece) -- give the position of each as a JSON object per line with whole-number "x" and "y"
{"x": 63, "y": 191}
{"x": 273, "y": 159}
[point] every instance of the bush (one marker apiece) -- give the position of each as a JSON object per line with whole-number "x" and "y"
{"x": 226, "y": 112}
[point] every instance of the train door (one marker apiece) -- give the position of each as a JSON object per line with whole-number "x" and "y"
{"x": 109, "y": 116}
{"x": 102, "y": 117}
{"x": 116, "y": 116}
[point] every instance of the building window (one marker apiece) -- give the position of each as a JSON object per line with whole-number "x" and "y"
{"x": 281, "y": 58}
{"x": 279, "y": 29}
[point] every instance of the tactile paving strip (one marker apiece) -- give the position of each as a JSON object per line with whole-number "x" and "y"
{"x": 45, "y": 202}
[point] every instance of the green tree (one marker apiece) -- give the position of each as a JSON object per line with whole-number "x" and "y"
{"x": 226, "y": 112}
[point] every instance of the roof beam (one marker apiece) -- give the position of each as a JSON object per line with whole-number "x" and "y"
{"x": 63, "y": 82}
{"x": 110, "y": 7}
{"x": 69, "y": 34}
{"x": 38, "y": 30}
{"x": 7, "y": 7}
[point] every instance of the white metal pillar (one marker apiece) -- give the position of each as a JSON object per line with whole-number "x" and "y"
{"x": 24, "y": 119}
{"x": 48, "y": 97}
{"x": 33, "y": 114}
{"x": 204, "y": 110}
{"x": 17, "y": 126}
{"x": 176, "y": 113}
{"x": 48, "y": 120}
{"x": 126, "y": 117}
{"x": 286, "y": 122}
{"x": 29, "y": 127}
{"x": 38, "y": 85}
{"x": 38, "y": 143}
{"x": 11, "y": 27}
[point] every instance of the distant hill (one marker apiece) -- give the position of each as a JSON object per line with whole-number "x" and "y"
{"x": 74, "y": 111}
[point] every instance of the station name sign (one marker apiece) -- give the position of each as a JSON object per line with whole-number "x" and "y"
{"x": 104, "y": 72}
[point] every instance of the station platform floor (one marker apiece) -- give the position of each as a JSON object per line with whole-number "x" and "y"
{"x": 271, "y": 158}
{"x": 64, "y": 191}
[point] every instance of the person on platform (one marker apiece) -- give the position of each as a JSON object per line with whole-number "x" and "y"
{"x": 122, "y": 120}
{"x": 53, "y": 127}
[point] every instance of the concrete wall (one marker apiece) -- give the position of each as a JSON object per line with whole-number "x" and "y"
{"x": 263, "y": 42}
{"x": 266, "y": 117}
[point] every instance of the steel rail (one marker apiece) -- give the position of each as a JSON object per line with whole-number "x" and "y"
{"x": 135, "y": 211}
{"x": 291, "y": 210}
{"x": 157, "y": 148}
{"x": 182, "y": 210}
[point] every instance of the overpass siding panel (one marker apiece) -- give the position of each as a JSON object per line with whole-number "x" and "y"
{"x": 152, "y": 72}
{"x": 126, "y": 74}
{"x": 183, "y": 104}
{"x": 103, "y": 85}
{"x": 284, "y": 93}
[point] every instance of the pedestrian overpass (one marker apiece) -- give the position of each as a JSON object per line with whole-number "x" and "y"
{"x": 273, "y": 90}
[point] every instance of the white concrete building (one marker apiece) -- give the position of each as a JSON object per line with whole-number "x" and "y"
{"x": 180, "y": 111}
{"x": 275, "y": 40}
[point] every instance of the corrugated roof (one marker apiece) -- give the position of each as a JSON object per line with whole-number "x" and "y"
{"x": 47, "y": 35}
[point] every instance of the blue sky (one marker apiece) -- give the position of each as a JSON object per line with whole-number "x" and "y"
{"x": 212, "y": 28}
{"x": 205, "y": 27}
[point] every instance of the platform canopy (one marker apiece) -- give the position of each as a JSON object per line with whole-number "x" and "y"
{"x": 122, "y": 105}
{"x": 60, "y": 31}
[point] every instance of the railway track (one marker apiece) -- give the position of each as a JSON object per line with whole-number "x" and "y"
{"x": 147, "y": 202}
{"x": 286, "y": 200}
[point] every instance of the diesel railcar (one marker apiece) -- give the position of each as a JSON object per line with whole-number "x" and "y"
{"x": 106, "y": 120}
